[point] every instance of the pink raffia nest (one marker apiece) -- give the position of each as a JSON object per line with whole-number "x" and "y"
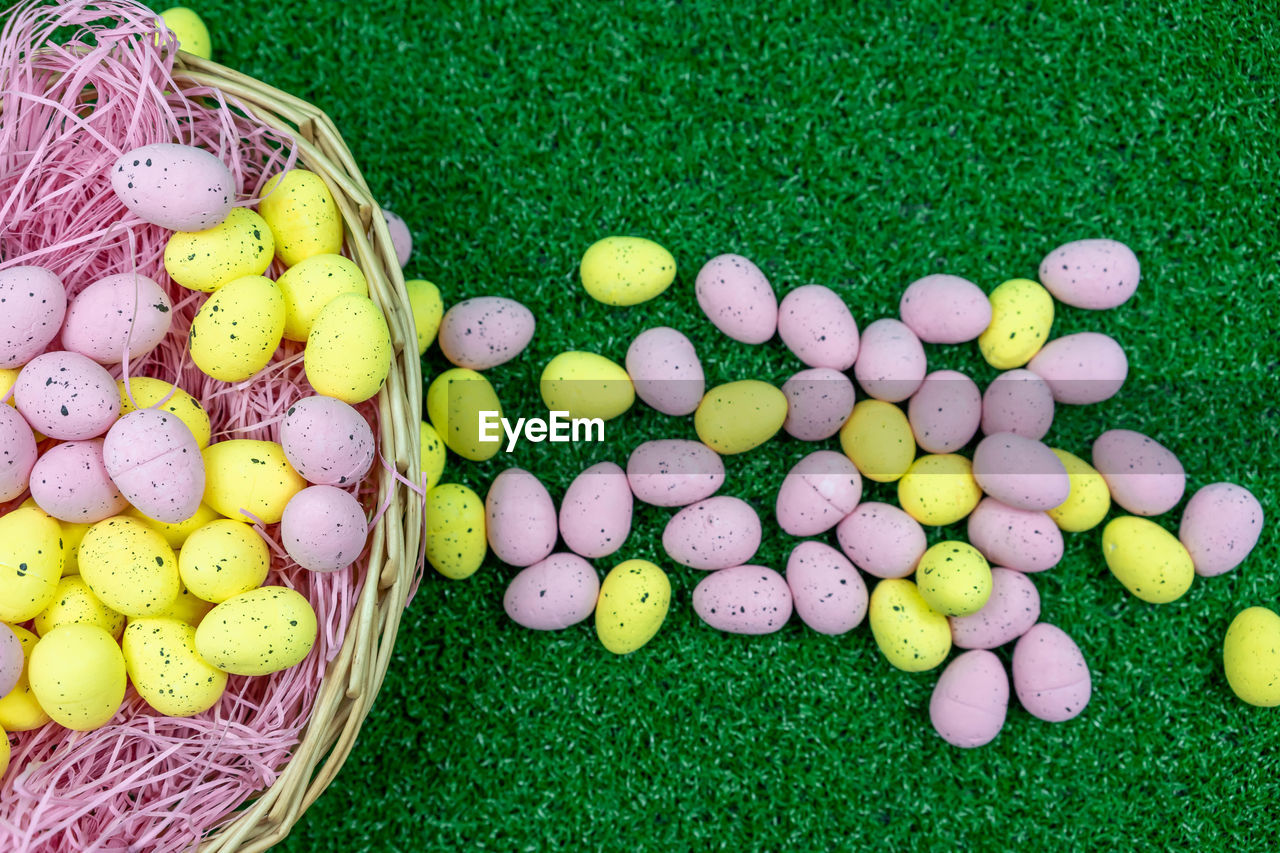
{"x": 80, "y": 84}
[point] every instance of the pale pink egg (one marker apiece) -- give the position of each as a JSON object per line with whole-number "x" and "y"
{"x": 1081, "y": 369}
{"x": 1093, "y": 274}
{"x": 595, "y": 514}
{"x": 818, "y": 491}
{"x": 819, "y": 401}
{"x": 115, "y": 309}
{"x": 665, "y": 370}
{"x": 553, "y": 594}
{"x": 713, "y": 534}
{"x": 826, "y": 590}
{"x": 33, "y": 304}
{"x": 1021, "y": 472}
{"x": 11, "y": 659}
{"x": 1012, "y": 608}
{"x": 737, "y": 298}
{"x": 323, "y": 528}
{"x": 520, "y": 518}
{"x": 743, "y": 600}
{"x": 945, "y": 411}
{"x": 882, "y": 540}
{"x": 1143, "y": 475}
{"x": 401, "y": 237}
{"x": 1050, "y": 675}
{"x": 816, "y": 325}
{"x": 154, "y": 460}
{"x": 1020, "y": 402}
{"x": 18, "y": 453}
{"x": 945, "y": 309}
{"x": 1220, "y": 527}
{"x": 327, "y": 441}
{"x": 971, "y": 700}
{"x": 1020, "y": 539}
{"x": 891, "y": 362}
{"x": 484, "y": 332}
{"x": 178, "y": 187}
{"x": 674, "y": 472}
{"x": 70, "y": 482}
{"x": 67, "y": 396}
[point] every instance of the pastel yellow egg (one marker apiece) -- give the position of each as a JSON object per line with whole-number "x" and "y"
{"x": 205, "y": 260}
{"x": 586, "y": 385}
{"x": 223, "y": 559}
{"x": 312, "y": 284}
{"x": 193, "y": 35}
{"x": 258, "y": 632}
{"x": 77, "y": 675}
{"x": 739, "y": 416}
{"x": 626, "y": 270}
{"x": 456, "y": 401}
{"x": 1089, "y": 499}
{"x": 878, "y": 439}
{"x": 249, "y": 480}
{"x": 176, "y": 533}
{"x": 147, "y": 392}
{"x": 1147, "y": 559}
{"x": 954, "y": 578}
{"x": 19, "y": 710}
{"x": 30, "y": 563}
{"x": 186, "y": 607}
{"x": 427, "y": 308}
{"x": 164, "y": 667}
{"x": 302, "y": 215}
{"x": 349, "y": 349}
{"x": 634, "y": 599}
{"x": 129, "y": 567}
{"x": 1251, "y": 656}
{"x": 455, "y": 522}
{"x": 433, "y": 455}
{"x": 75, "y": 604}
{"x": 1021, "y": 316}
{"x": 72, "y": 535}
{"x": 910, "y": 634}
{"x": 939, "y": 489}
{"x": 236, "y": 332}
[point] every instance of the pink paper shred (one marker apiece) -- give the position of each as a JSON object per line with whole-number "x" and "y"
{"x": 81, "y": 83}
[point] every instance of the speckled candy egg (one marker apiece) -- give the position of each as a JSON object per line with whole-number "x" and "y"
{"x": 1147, "y": 559}
{"x": 75, "y": 604}
{"x": 455, "y": 400}
{"x": 878, "y": 438}
{"x": 737, "y": 298}
{"x": 258, "y": 632}
{"x": 595, "y": 514}
{"x": 520, "y": 518}
{"x": 713, "y": 534}
{"x": 939, "y": 489}
{"x": 586, "y": 385}
{"x": 945, "y": 309}
{"x": 1143, "y": 475}
{"x": 154, "y": 460}
{"x": 945, "y": 411}
{"x": 1020, "y": 402}
{"x": 818, "y": 491}
{"x": 1251, "y": 656}
{"x": 674, "y": 472}
{"x": 1084, "y": 368}
{"x": 1011, "y": 609}
{"x": 146, "y": 393}
{"x": 67, "y": 396}
{"x": 1050, "y": 675}
{"x": 484, "y": 332}
{"x": 891, "y": 362}
{"x": 1020, "y": 539}
{"x": 303, "y": 217}
{"x": 665, "y": 370}
{"x": 222, "y": 559}
{"x": 249, "y": 479}
{"x": 308, "y": 286}
{"x": 882, "y": 540}
{"x": 241, "y": 245}
{"x": 816, "y": 325}
{"x": 1020, "y": 472}
{"x": 739, "y": 416}
{"x": 236, "y": 332}
{"x": 553, "y": 594}
{"x": 970, "y": 700}
{"x": 33, "y": 304}
{"x": 910, "y": 634}
{"x": 1220, "y": 526}
{"x": 828, "y": 593}
{"x": 1021, "y": 316}
{"x": 819, "y": 401}
{"x": 17, "y": 453}
{"x": 129, "y": 566}
{"x": 634, "y": 599}
{"x": 954, "y": 578}
{"x": 1089, "y": 499}
{"x": 626, "y": 270}
{"x": 1093, "y": 274}
{"x": 323, "y": 528}
{"x": 348, "y": 352}
{"x": 31, "y": 561}
{"x": 71, "y": 483}
{"x": 327, "y": 441}
{"x": 401, "y": 237}
{"x": 165, "y": 668}
{"x": 77, "y": 674}
{"x": 743, "y": 600}
{"x": 178, "y": 187}
{"x": 455, "y": 537}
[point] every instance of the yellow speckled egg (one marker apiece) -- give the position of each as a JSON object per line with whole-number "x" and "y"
{"x": 247, "y": 479}
{"x": 129, "y": 566}
{"x": 223, "y": 559}
{"x": 258, "y": 632}
{"x": 165, "y": 668}
{"x": 738, "y": 416}
{"x": 1149, "y": 560}
{"x": 1251, "y": 656}
{"x": 349, "y": 349}
{"x": 205, "y": 260}
{"x": 455, "y": 401}
{"x": 1021, "y": 316}
{"x": 303, "y": 216}
{"x": 176, "y": 533}
{"x": 634, "y": 600}
{"x": 235, "y": 333}
{"x": 19, "y": 710}
{"x": 626, "y": 270}
{"x": 186, "y": 607}
{"x": 313, "y": 284}
{"x": 954, "y": 578}
{"x": 75, "y": 604}
{"x": 1089, "y": 499}
{"x": 427, "y": 308}
{"x": 939, "y": 489}
{"x": 456, "y": 540}
{"x": 77, "y": 675}
{"x": 912, "y": 635}
{"x": 72, "y": 535}
{"x": 193, "y": 35}
{"x": 432, "y": 457}
{"x": 148, "y": 392}
{"x": 31, "y": 555}
{"x": 586, "y": 385}
{"x": 878, "y": 439}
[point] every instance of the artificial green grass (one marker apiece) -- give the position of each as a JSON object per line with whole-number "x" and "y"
{"x": 859, "y": 149}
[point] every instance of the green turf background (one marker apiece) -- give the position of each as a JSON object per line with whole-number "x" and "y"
{"x": 860, "y": 150}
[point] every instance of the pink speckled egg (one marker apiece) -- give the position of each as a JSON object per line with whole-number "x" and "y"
{"x": 154, "y": 461}
{"x": 716, "y": 533}
{"x": 1050, "y": 675}
{"x": 70, "y": 482}
{"x": 816, "y": 325}
{"x": 1020, "y": 402}
{"x": 1143, "y": 475}
{"x": 1083, "y": 368}
{"x": 595, "y": 515}
{"x": 114, "y": 309}
{"x": 818, "y": 491}
{"x": 827, "y": 591}
{"x": 1012, "y": 608}
{"x": 1093, "y": 274}
{"x": 674, "y": 472}
{"x": 484, "y": 332}
{"x": 520, "y": 518}
{"x": 665, "y": 370}
{"x": 33, "y": 304}
{"x": 945, "y": 411}
{"x": 553, "y": 594}
{"x": 891, "y": 362}
{"x": 737, "y": 298}
{"x": 327, "y": 441}
{"x": 323, "y": 528}
{"x": 401, "y": 237}
{"x": 1021, "y": 472}
{"x": 11, "y": 659}
{"x": 1020, "y": 539}
{"x": 743, "y": 600}
{"x": 178, "y": 187}
{"x": 67, "y": 396}
{"x": 882, "y": 540}
{"x": 819, "y": 401}
{"x": 1220, "y": 526}
{"x": 971, "y": 700}
{"x": 17, "y": 453}
{"x": 945, "y": 309}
